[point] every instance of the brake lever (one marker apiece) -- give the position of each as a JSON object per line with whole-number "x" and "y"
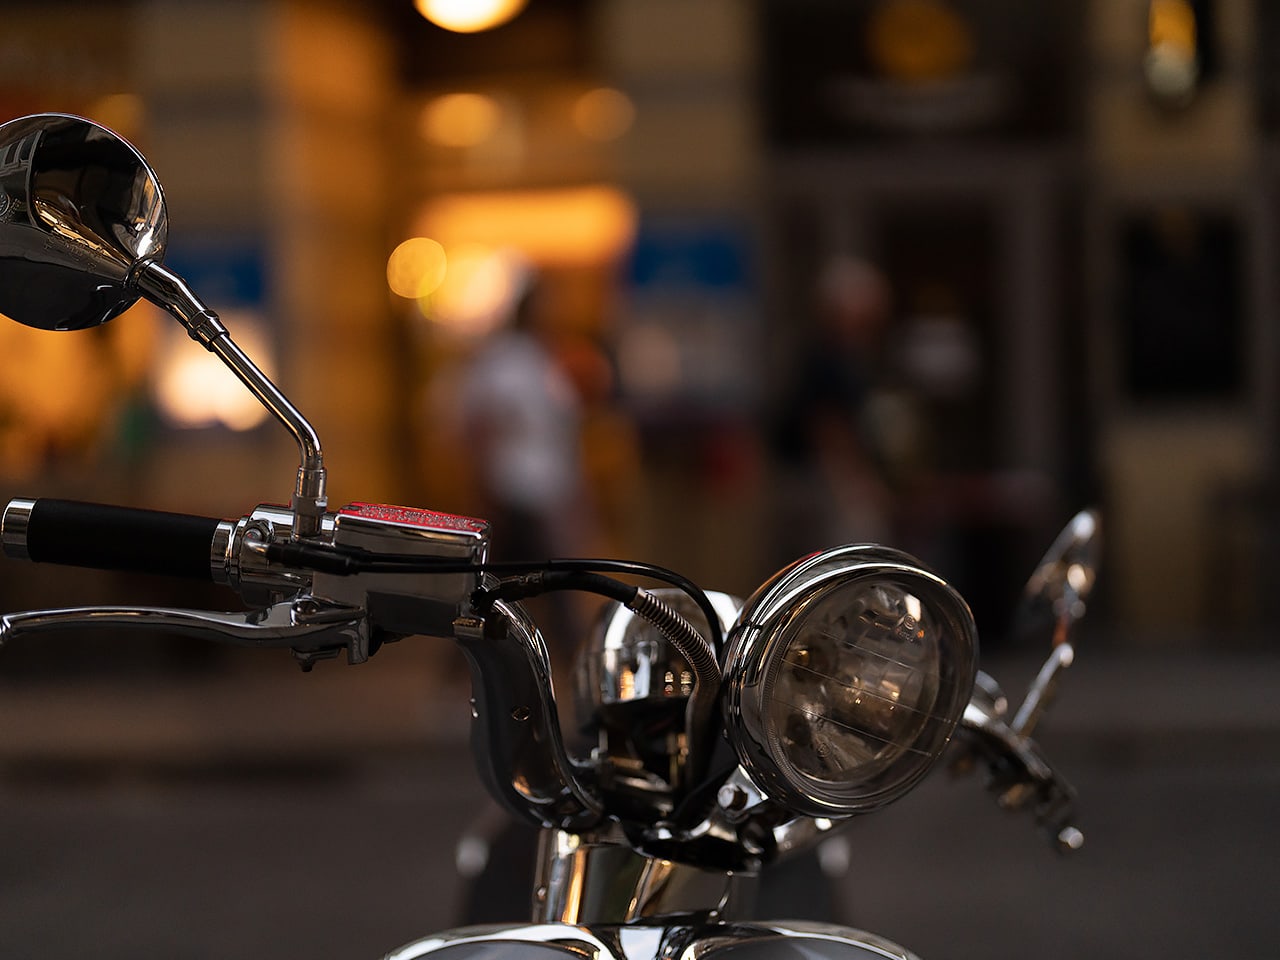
{"x": 312, "y": 628}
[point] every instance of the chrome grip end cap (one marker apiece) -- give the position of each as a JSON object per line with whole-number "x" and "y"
{"x": 13, "y": 528}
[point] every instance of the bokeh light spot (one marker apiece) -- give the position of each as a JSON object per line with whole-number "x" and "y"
{"x": 603, "y": 114}
{"x": 461, "y": 119}
{"x": 469, "y": 16}
{"x": 416, "y": 268}
{"x": 479, "y": 291}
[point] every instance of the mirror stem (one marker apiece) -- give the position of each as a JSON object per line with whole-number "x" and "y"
{"x": 166, "y": 289}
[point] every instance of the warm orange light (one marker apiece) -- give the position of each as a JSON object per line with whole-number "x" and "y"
{"x": 603, "y": 114}
{"x": 479, "y": 291}
{"x": 1172, "y": 22}
{"x": 461, "y": 119}
{"x": 61, "y": 392}
{"x": 124, "y": 113}
{"x": 416, "y": 267}
{"x": 55, "y": 390}
{"x": 1171, "y": 64}
{"x": 469, "y": 16}
{"x": 915, "y": 41}
{"x": 194, "y": 389}
{"x": 574, "y": 225}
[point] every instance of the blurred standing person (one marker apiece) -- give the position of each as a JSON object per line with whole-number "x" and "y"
{"x": 832, "y": 489}
{"x": 522, "y": 419}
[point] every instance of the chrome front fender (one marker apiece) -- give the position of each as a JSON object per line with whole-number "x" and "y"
{"x": 722, "y": 941}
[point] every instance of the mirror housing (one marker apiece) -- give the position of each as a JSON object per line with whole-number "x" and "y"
{"x": 80, "y": 211}
{"x": 1063, "y": 579}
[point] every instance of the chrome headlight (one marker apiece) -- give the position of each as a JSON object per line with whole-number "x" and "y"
{"x": 626, "y": 659}
{"x": 845, "y": 677}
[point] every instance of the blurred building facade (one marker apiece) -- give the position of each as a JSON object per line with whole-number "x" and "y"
{"x": 1074, "y": 204}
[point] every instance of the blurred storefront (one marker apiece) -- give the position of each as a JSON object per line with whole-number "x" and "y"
{"x": 1068, "y": 202}
{"x": 1080, "y": 192}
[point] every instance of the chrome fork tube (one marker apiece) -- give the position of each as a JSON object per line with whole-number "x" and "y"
{"x": 597, "y": 878}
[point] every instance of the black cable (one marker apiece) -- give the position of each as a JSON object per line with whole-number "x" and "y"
{"x": 345, "y": 561}
{"x": 536, "y": 584}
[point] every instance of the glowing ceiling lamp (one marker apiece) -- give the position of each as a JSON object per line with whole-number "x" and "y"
{"x": 469, "y": 16}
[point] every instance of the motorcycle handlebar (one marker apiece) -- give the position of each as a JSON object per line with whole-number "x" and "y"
{"x": 105, "y": 537}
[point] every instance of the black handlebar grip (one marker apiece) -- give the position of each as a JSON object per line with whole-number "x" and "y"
{"x": 109, "y": 538}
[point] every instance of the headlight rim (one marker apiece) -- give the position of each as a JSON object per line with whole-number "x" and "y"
{"x": 753, "y": 661}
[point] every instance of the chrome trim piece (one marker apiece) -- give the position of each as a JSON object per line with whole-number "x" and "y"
{"x": 220, "y": 552}
{"x": 1025, "y": 779}
{"x": 247, "y": 571}
{"x": 406, "y": 603}
{"x": 14, "y": 526}
{"x": 516, "y": 738}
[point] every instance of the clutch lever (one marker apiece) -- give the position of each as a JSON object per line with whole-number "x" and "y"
{"x": 313, "y": 629}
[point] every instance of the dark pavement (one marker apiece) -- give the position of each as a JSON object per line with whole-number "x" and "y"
{"x": 269, "y": 814}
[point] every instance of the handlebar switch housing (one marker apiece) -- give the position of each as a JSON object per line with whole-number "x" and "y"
{"x": 401, "y": 604}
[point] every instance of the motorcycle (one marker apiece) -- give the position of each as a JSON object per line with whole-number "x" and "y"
{"x": 724, "y": 734}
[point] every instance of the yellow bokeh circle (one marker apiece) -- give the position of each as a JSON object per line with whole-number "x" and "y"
{"x": 416, "y": 267}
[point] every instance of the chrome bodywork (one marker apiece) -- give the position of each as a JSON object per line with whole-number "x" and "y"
{"x": 515, "y": 730}
{"x": 728, "y": 941}
{"x": 581, "y": 875}
{"x": 403, "y": 604}
{"x": 633, "y": 693}
{"x": 628, "y": 661}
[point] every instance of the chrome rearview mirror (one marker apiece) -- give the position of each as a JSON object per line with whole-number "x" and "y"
{"x": 82, "y": 234}
{"x": 79, "y": 210}
{"x": 1063, "y": 579}
{"x": 1059, "y": 587}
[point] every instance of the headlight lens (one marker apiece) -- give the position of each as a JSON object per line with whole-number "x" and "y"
{"x": 846, "y": 675}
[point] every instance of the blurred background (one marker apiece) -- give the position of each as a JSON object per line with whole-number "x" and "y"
{"x": 931, "y": 272}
